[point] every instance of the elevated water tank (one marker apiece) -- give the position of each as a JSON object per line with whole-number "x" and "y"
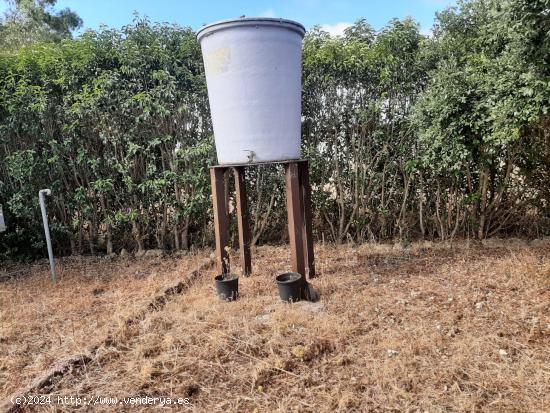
{"x": 253, "y": 74}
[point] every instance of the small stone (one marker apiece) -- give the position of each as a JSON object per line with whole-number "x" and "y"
{"x": 263, "y": 317}
{"x": 453, "y": 331}
{"x": 300, "y": 329}
{"x": 480, "y": 305}
{"x": 393, "y": 353}
{"x": 123, "y": 252}
{"x": 502, "y": 353}
{"x": 139, "y": 275}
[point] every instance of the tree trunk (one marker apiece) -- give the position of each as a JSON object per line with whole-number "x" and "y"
{"x": 136, "y": 232}
{"x": 185, "y": 235}
{"x": 483, "y": 180}
{"x": 176, "y": 234}
{"x": 109, "y": 240}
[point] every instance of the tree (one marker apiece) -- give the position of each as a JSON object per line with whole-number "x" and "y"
{"x": 408, "y": 136}
{"x": 358, "y": 91}
{"x": 32, "y": 21}
{"x": 117, "y": 124}
{"x": 484, "y": 99}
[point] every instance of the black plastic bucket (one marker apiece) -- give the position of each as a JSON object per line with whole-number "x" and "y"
{"x": 227, "y": 286}
{"x": 290, "y": 286}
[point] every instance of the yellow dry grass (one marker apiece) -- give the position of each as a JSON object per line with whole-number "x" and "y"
{"x": 432, "y": 328}
{"x": 42, "y": 322}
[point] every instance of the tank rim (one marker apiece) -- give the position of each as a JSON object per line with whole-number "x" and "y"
{"x": 250, "y": 21}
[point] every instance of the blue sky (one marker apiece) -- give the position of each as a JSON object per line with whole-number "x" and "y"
{"x": 333, "y": 15}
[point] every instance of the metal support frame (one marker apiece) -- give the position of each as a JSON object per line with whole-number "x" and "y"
{"x": 298, "y": 199}
{"x": 295, "y": 218}
{"x": 242, "y": 219}
{"x": 221, "y": 222}
{"x": 307, "y": 209}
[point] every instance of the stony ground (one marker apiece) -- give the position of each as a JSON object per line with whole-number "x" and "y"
{"x": 431, "y": 327}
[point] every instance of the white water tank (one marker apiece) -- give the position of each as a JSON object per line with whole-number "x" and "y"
{"x": 253, "y": 75}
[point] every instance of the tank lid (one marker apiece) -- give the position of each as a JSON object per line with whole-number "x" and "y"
{"x": 250, "y": 21}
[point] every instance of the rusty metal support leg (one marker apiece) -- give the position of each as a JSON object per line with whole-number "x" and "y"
{"x": 306, "y": 203}
{"x": 242, "y": 219}
{"x": 295, "y": 219}
{"x": 221, "y": 222}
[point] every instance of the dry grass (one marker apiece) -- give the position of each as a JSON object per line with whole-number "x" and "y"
{"x": 431, "y": 328}
{"x": 42, "y": 322}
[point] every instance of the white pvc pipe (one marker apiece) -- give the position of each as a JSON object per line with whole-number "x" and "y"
{"x": 41, "y": 199}
{"x": 2, "y": 223}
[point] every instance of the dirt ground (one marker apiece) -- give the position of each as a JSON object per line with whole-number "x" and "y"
{"x": 428, "y": 328}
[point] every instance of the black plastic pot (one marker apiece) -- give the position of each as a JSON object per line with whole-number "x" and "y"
{"x": 227, "y": 286}
{"x": 290, "y": 286}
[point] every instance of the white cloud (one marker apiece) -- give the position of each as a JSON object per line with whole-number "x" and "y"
{"x": 336, "y": 29}
{"x": 268, "y": 13}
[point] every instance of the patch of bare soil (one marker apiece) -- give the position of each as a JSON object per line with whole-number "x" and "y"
{"x": 432, "y": 328}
